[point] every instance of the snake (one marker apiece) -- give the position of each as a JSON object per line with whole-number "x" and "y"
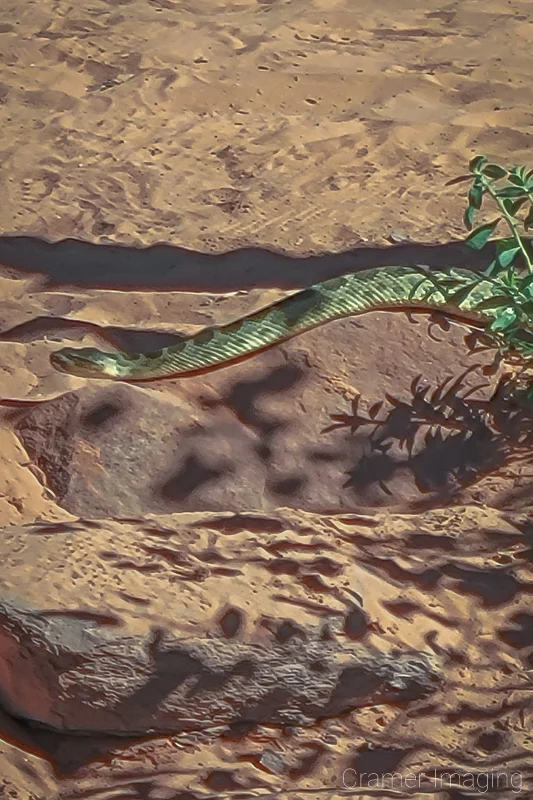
{"x": 377, "y": 289}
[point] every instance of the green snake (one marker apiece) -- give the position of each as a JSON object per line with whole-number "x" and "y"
{"x": 377, "y": 289}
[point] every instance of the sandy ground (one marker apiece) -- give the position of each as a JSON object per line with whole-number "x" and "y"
{"x": 298, "y": 129}
{"x": 306, "y": 126}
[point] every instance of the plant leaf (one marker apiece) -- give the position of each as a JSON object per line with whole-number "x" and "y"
{"x": 510, "y": 191}
{"x": 526, "y": 284}
{"x": 498, "y": 301}
{"x": 458, "y": 297}
{"x": 494, "y": 171}
{"x": 416, "y": 287}
{"x": 516, "y": 205}
{"x": 516, "y": 180}
{"x": 520, "y": 171}
{"x": 489, "y": 271}
{"x": 528, "y": 222}
{"x": 475, "y": 164}
{"x": 479, "y": 236}
{"x": 469, "y": 217}
{"x": 504, "y": 320}
{"x": 505, "y": 244}
{"x": 475, "y": 195}
{"x": 459, "y": 179}
{"x": 506, "y": 257}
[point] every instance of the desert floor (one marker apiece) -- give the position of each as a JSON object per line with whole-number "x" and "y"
{"x": 258, "y": 581}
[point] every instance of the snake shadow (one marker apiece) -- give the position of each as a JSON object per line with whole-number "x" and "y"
{"x": 72, "y": 262}
{"x": 75, "y": 263}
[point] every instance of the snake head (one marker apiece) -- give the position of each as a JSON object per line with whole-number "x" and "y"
{"x": 86, "y": 362}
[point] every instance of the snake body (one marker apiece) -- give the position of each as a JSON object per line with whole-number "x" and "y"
{"x": 381, "y": 288}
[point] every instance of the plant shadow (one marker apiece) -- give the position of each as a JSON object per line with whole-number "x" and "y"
{"x": 447, "y": 438}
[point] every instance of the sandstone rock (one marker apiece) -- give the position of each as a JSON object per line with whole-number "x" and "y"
{"x": 123, "y": 628}
{"x": 276, "y": 430}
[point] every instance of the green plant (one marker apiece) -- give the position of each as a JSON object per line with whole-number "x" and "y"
{"x": 510, "y": 198}
{"x": 511, "y": 190}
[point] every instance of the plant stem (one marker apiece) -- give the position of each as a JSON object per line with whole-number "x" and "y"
{"x": 511, "y": 223}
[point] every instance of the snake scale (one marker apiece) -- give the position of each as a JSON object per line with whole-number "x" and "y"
{"x": 376, "y": 289}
